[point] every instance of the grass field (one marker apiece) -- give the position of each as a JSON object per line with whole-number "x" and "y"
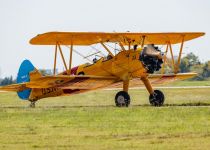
{"x": 190, "y": 83}
{"x": 90, "y": 121}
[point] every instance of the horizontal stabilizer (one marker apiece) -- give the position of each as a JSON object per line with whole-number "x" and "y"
{"x": 14, "y": 87}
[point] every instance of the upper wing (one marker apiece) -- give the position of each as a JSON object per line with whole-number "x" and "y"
{"x": 63, "y": 82}
{"x": 89, "y": 38}
{"x": 156, "y": 79}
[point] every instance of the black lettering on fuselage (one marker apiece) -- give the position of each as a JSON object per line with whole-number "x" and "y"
{"x": 46, "y": 91}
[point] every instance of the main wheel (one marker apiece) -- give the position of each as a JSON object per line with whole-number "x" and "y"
{"x": 157, "y": 99}
{"x": 122, "y": 99}
{"x": 81, "y": 73}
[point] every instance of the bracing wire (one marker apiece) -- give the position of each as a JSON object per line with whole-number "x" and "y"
{"x": 78, "y": 53}
{"x": 97, "y": 50}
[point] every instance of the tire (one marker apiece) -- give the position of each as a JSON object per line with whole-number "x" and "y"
{"x": 32, "y": 104}
{"x": 122, "y": 99}
{"x": 81, "y": 73}
{"x": 157, "y": 99}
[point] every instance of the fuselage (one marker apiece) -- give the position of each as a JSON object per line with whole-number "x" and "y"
{"x": 124, "y": 65}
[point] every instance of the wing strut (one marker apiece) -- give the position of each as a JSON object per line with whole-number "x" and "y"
{"x": 142, "y": 43}
{"x": 57, "y": 46}
{"x": 172, "y": 55}
{"x": 164, "y": 60}
{"x": 110, "y": 53}
{"x": 70, "y": 58}
{"x": 174, "y": 64}
{"x": 179, "y": 58}
{"x": 55, "y": 59}
{"x": 64, "y": 62}
{"x": 122, "y": 47}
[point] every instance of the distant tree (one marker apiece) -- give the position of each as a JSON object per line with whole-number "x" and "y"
{"x": 45, "y": 72}
{"x": 42, "y": 71}
{"x": 7, "y": 80}
{"x": 206, "y": 70}
{"x": 188, "y": 62}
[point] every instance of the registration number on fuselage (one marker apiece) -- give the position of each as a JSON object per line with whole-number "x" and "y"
{"x": 46, "y": 91}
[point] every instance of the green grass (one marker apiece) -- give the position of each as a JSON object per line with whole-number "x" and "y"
{"x": 190, "y": 83}
{"x": 90, "y": 121}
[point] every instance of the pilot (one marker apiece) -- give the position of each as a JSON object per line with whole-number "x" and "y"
{"x": 94, "y": 60}
{"x": 135, "y": 47}
{"x": 109, "y": 57}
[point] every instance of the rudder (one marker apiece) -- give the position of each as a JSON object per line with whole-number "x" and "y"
{"x": 24, "y": 76}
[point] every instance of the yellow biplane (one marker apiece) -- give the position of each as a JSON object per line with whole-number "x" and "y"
{"x": 136, "y": 63}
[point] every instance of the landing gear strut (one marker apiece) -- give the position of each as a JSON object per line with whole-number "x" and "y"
{"x": 122, "y": 99}
{"x": 32, "y": 104}
{"x": 156, "y": 97}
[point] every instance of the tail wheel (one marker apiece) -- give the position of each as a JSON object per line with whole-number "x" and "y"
{"x": 32, "y": 104}
{"x": 157, "y": 98}
{"x": 122, "y": 99}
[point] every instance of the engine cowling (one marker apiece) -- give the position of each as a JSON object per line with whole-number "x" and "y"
{"x": 151, "y": 57}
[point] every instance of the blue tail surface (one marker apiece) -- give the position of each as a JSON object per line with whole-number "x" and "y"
{"x": 24, "y": 76}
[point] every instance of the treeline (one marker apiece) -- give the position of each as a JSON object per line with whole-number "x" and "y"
{"x": 191, "y": 63}
{"x": 7, "y": 80}
{"x": 11, "y": 80}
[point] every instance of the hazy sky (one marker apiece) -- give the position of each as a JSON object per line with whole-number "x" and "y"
{"x": 23, "y": 19}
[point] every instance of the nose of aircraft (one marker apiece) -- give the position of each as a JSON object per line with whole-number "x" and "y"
{"x": 151, "y": 57}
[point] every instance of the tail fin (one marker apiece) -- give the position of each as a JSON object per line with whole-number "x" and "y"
{"x": 24, "y": 76}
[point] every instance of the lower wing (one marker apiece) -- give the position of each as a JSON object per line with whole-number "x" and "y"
{"x": 86, "y": 82}
{"x": 156, "y": 79}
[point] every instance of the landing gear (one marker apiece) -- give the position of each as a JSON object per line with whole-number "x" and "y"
{"x": 157, "y": 98}
{"x": 81, "y": 73}
{"x": 32, "y": 104}
{"x": 122, "y": 99}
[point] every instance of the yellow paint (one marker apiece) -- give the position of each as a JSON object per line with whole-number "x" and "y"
{"x": 55, "y": 58}
{"x": 124, "y": 67}
{"x": 180, "y": 54}
{"x": 89, "y": 38}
